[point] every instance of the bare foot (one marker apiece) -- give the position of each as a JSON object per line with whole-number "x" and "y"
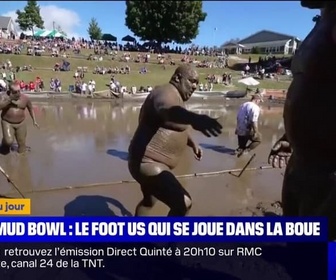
{"x": 24, "y": 152}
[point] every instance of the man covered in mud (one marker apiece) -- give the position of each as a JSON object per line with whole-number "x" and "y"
{"x": 247, "y": 131}
{"x": 161, "y": 138}
{"x": 13, "y": 105}
{"x": 308, "y": 147}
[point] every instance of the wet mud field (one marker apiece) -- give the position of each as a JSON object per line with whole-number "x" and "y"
{"x": 78, "y": 166}
{"x": 78, "y": 160}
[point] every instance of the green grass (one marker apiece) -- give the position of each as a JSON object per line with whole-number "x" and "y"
{"x": 156, "y": 75}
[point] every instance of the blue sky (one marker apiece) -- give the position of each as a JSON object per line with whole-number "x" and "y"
{"x": 232, "y": 19}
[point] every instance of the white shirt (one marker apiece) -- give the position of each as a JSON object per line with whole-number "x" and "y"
{"x": 248, "y": 113}
{"x": 84, "y": 85}
{"x": 3, "y": 83}
{"x": 112, "y": 86}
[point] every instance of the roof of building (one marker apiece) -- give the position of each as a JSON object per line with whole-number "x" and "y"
{"x": 230, "y": 44}
{"x": 266, "y": 36}
{"x": 4, "y": 22}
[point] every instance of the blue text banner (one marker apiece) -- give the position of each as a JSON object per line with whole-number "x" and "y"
{"x": 162, "y": 229}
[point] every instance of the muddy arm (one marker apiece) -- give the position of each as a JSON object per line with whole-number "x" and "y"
{"x": 283, "y": 138}
{"x": 191, "y": 143}
{"x": 174, "y": 116}
{"x": 254, "y": 127}
{"x": 4, "y": 102}
{"x": 31, "y": 111}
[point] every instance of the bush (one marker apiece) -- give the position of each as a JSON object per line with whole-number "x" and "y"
{"x": 255, "y": 50}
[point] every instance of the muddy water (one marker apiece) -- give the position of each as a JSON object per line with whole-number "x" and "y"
{"x": 86, "y": 142}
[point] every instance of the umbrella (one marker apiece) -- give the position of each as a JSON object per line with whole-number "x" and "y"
{"x": 109, "y": 37}
{"x": 63, "y": 33}
{"x": 42, "y": 33}
{"x": 55, "y": 34}
{"x": 249, "y": 81}
{"x": 46, "y": 33}
{"x": 128, "y": 38}
{"x": 39, "y": 32}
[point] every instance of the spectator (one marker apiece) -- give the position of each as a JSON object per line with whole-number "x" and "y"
{"x": 83, "y": 88}
{"x": 52, "y": 85}
{"x": 58, "y": 85}
{"x": 31, "y": 86}
{"x": 22, "y": 85}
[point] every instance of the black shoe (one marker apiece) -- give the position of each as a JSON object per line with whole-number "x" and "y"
{"x": 241, "y": 152}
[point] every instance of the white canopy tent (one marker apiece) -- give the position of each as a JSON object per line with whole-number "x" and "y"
{"x": 249, "y": 81}
{"x": 28, "y": 33}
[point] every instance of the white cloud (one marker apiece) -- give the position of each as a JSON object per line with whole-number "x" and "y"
{"x": 67, "y": 19}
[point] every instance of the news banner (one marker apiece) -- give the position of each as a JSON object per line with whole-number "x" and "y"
{"x": 86, "y": 243}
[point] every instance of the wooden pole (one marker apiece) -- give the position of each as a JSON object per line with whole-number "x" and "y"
{"x": 11, "y": 182}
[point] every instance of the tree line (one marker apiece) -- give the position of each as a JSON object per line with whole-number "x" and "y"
{"x": 155, "y": 21}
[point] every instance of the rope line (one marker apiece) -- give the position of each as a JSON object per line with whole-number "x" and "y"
{"x": 183, "y": 176}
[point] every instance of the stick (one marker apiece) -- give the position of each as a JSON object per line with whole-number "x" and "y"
{"x": 11, "y": 182}
{"x": 247, "y": 164}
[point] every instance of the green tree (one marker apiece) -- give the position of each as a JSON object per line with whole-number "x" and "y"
{"x": 256, "y": 50}
{"x": 30, "y": 17}
{"x": 94, "y": 30}
{"x": 165, "y": 21}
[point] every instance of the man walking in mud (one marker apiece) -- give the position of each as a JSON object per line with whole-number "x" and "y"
{"x": 13, "y": 105}
{"x": 308, "y": 145}
{"x": 247, "y": 125}
{"x": 161, "y": 138}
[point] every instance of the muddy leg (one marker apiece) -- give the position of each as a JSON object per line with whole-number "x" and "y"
{"x": 242, "y": 142}
{"x": 166, "y": 188}
{"x": 21, "y": 135}
{"x": 146, "y": 204}
{"x": 255, "y": 142}
{"x": 8, "y": 136}
{"x": 158, "y": 182}
{"x": 139, "y": 172}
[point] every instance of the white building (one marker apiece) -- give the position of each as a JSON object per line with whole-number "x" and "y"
{"x": 265, "y": 42}
{"x": 7, "y": 27}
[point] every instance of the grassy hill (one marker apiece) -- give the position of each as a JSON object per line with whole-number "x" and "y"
{"x": 157, "y": 74}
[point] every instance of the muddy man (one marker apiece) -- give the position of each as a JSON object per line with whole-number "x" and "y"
{"x": 308, "y": 147}
{"x": 13, "y": 105}
{"x": 161, "y": 138}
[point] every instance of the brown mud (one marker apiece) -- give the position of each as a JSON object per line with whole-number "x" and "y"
{"x": 79, "y": 154}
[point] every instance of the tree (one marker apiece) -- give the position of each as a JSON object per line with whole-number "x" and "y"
{"x": 165, "y": 21}
{"x": 94, "y": 30}
{"x": 30, "y": 17}
{"x": 256, "y": 50}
